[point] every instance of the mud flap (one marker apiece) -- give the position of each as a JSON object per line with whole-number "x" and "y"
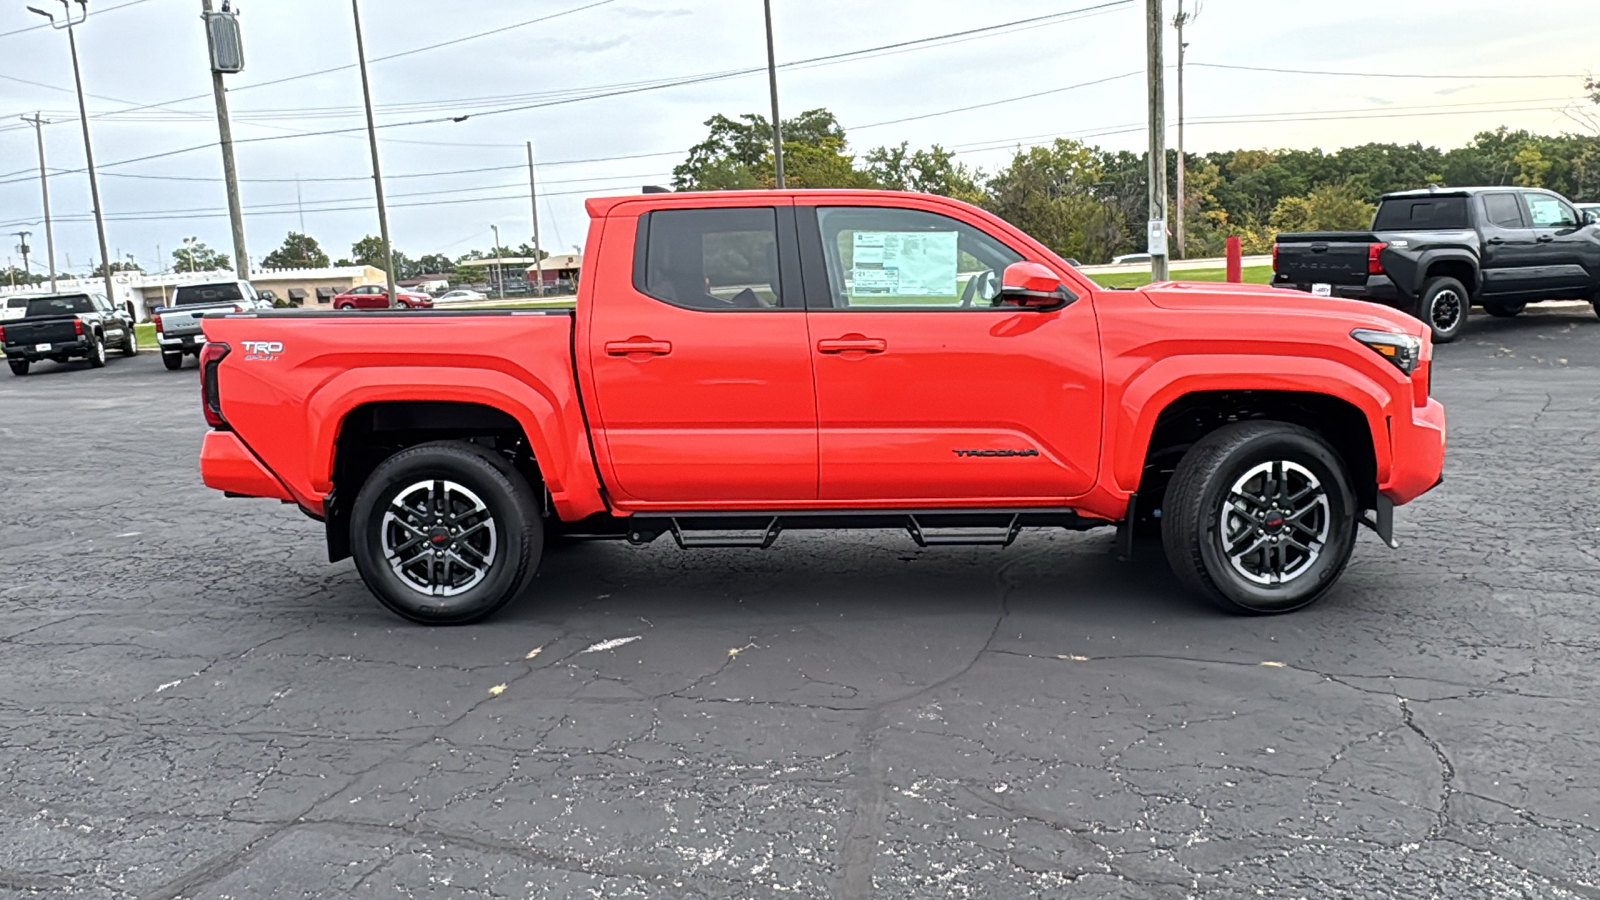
{"x": 1381, "y": 521}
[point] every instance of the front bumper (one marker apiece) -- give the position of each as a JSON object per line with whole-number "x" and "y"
{"x": 1417, "y": 446}
{"x": 33, "y": 353}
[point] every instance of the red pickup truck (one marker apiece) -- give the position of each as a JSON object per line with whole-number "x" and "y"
{"x": 739, "y": 364}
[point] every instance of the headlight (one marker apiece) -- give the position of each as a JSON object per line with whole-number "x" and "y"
{"x": 1404, "y": 350}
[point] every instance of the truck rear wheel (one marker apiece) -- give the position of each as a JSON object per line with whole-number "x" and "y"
{"x": 1504, "y": 310}
{"x": 1443, "y": 307}
{"x": 19, "y": 366}
{"x": 446, "y": 533}
{"x": 173, "y": 361}
{"x": 1259, "y": 518}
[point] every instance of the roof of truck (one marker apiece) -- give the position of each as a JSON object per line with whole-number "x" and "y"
{"x": 1458, "y": 191}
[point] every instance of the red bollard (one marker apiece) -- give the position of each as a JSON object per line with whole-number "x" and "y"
{"x": 1235, "y": 260}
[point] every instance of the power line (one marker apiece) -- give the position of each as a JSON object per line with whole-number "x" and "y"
{"x": 98, "y": 12}
{"x": 987, "y": 104}
{"x": 1374, "y": 74}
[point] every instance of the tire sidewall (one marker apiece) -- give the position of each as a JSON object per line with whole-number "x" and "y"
{"x": 1305, "y": 589}
{"x": 97, "y": 353}
{"x": 130, "y": 342}
{"x": 1425, "y": 308}
{"x": 493, "y": 486}
{"x": 173, "y": 361}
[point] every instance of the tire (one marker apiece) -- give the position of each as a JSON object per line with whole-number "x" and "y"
{"x": 97, "y": 352}
{"x": 1197, "y": 518}
{"x": 130, "y": 342}
{"x": 173, "y": 361}
{"x": 483, "y": 489}
{"x": 344, "y": 306}
{"x": 19, "y": 367}
{"x": 1443, "y": 306}
{"x": 1504, "y": 310}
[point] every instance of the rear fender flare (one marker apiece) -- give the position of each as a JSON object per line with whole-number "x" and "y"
{"x": 536, "y": 411}
{"x": 1430, "y": 258}
{"x": 1131, "y": 418}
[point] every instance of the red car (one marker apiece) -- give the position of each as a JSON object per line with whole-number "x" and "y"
{"x": 744, "y": 363}
{"x": 375, "y": 296}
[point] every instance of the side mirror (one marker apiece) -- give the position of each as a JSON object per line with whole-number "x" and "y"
{"x": 1032, "y": 285}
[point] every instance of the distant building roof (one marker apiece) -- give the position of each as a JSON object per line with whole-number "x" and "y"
{"x": 561, "y": 261}
{"x": 497, "y": 261}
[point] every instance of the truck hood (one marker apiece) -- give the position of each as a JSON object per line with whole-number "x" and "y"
{"x": 1261, "y": 298}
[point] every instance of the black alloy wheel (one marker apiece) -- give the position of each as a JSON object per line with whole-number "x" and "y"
{"x": 1444, "y": 306}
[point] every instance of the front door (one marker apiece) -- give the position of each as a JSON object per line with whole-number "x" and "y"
{"x": 1561, "y": 246}
{"x": 701, "y": 365}
{"x": 926, "y": 392}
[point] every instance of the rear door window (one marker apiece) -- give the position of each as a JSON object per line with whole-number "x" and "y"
{"x": 1503, "y": 210}
{"x": 712, "y": 259}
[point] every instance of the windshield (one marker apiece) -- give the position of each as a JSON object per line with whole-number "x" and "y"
{"x": 39, "y": 307}
{"x": 207, "y": 294}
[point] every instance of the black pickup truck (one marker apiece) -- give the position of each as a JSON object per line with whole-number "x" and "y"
{"x": 1435, "y": 253}
{"x": 67, "y": 326}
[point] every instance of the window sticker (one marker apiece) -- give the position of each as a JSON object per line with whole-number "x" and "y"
{"x": 1546, "y": 211}
{"x": 904, "y": 264}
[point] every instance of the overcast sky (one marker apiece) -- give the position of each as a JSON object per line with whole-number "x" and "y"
{"x": 152, "y": 52}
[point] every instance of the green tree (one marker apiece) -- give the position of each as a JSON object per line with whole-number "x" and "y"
{"x": 299, "y": 251}
{"x": 1049, "y": 192}
{"x": 436, "y": 263}
{"x": 197, "y": 257}
{"x": 100, "y": 270}
{"x": 13, "y": 275}
{"x": 930, "y": 171}
{"x": 737, "y": 155}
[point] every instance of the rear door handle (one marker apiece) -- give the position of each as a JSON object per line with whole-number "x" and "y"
{"x": 639, "y": 345}
{"x": 1495, "y": 240}
{"x": 846, "y": 344}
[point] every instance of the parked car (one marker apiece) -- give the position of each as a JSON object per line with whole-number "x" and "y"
{"x": 1589, "y": 211}
{"x": 178, "y": 324}
{"x": 459, "y": 296}
{"x": 14, "y": 308}
{"x": 67, "y": 326}
{"x": 376, "y": 296}
{"x": 1435, "y": 253}
{"x": 1130, "y": 259}
{"x": 705, "y": 390}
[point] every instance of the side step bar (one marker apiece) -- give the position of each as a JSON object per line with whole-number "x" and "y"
{"x": 928, "y": 528}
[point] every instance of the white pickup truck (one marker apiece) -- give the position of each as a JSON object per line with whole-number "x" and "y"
{"x": 178, "y": 325}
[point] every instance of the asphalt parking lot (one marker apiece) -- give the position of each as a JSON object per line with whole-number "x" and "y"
{"x": 196, "y": 704}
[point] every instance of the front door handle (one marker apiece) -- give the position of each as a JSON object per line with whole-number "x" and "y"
{"x": 1546, "y": 238}
{"x": 1496, "y": 240}
{"x": 853, "y": 342}
{"x": 639, "y": 345}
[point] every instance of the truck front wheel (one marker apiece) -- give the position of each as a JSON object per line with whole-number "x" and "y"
{"x": 1259, "y": 518}
{"x": 1443, "y": 307}
{"x": 446, "y": 533}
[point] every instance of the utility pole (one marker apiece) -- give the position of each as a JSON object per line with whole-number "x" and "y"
{"x": 24, "y": 249}
{"x": 1179, "y": 22}
{"x": 230, "y": 173}
{"x": 499, "y": 272}
{"x": 1156, "y": 24}
{"x": 38, "y": 122}
{"x": 83, "y": 116}
{"x": 533, "y": 195}
{"x": 772, "y": 80}
{"x": 377, "y": 170}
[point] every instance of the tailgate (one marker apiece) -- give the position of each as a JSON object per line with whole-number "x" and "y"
{"x": 54, "y": 331}
{"x": 177, "y": 322}
{"x": 1321, "y": 262}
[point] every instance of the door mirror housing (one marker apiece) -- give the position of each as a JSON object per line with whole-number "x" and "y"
{"x": 1031, "y": 285}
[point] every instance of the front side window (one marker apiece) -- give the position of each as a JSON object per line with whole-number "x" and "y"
{"x": 1503, "y": 210}
{"x": 713, "y": 259}
{"x": 883, "y": 258}
{"x": 1545, "y": 211}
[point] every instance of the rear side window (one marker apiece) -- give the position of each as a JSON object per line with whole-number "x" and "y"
{"x": 1422, "y": 214}
{"x": 196, "y": 295}
{"x": 711, "y": 259}
{"x": 58, "y": 306}
{"x": 1503, "y": 210}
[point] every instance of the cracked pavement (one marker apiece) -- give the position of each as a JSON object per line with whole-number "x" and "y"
{"x": 197, "y": 705}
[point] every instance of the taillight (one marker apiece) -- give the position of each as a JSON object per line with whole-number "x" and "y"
{"x": 1374, "y": 261}
{"x": 210, "y": 397}
{"x": 2, "y": 334}
{"x": 1274, "y": 257}
{"x": 160, "y": 326}
{"x": 77, "y": 327}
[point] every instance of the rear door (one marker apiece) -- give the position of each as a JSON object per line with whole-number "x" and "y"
{"x": 1510, "y": 256}
{"x": 700, "y": 361}
{"x": 927, "y": 394}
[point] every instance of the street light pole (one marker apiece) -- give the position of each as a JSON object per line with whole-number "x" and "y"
{"x": 1181, "y": 225}
{"x": 499, "y": 273}
{"x": 1155, "y": 25}
{"x": 83, "y": 116}
{"x": 533, "y": 195}
{"x": 230, "y": 172}
{"x": 38, "y": 122}
{"x": 377, "y": 170}
{"x": 772, "y": 80}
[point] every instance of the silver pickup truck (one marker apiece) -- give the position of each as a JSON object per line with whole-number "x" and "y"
{"x": 178, "y": 324}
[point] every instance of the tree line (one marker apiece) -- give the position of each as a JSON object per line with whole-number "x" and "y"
{"x": 1091, "y": 204}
